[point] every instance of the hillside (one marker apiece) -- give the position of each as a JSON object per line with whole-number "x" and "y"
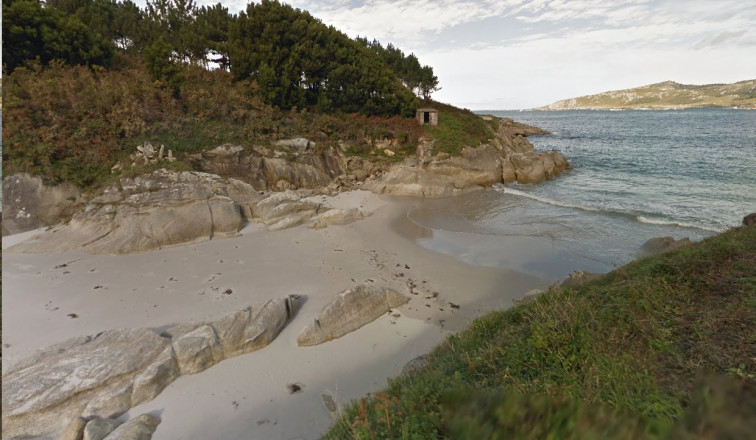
{"x": 666, "y": 95}
{"x": 106, "y": 77}
{"x": 660, "y": 348}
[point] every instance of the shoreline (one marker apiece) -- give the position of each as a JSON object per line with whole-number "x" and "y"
{"x": 247, "y": 396}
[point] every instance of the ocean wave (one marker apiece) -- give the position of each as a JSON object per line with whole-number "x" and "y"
{"x": 662, "y": 222}
{"x": 632, "y": 216}
{"x": 507, "y": 190}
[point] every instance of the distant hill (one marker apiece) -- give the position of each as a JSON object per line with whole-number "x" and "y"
{"x": 666, "y": 95}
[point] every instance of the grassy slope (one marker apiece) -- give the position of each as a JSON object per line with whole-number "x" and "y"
{"x": 618, "y": 357}
{"x": 668, "y": 95}
{"x": 457, "y": 129}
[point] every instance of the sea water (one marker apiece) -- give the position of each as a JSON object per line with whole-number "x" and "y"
{"x": 635, "y": 175}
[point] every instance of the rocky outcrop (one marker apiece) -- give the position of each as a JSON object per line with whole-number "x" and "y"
{"x": 74, "y": 430}
{"x": 289, "y": 164}
{"x": 750, "y": 219}
{"x": 89, "y": 376}
{"x": 295, "y": 163}
{"x": 147, "y": 154}
{"x": 153, "y": 211}
{"x": 98, "y": 428}
{"x": 288, "y": 209}
{"x": 415, "y": 365}
{"x": 335, "y": 216}
{"x": 138, "y": 428}
{"x": 509, "y": 157}
{"x": 348, "y": 311}
{"x": 576, "y": 278}
{"x": 106, "y": 374}
{"x": 660, "y": 245}
{"x": 29, "y": 204}
{"x": 169, "y": 208}
{"x": 166, "y": 208}
{"x": 529, "y": 296}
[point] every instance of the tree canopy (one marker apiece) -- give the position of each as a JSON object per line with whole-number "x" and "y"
{"x": 292, "y": 58}
{"x": 31, "y": 31}
{"x": 419, "y": 79}
{"x": 299, "y": 61}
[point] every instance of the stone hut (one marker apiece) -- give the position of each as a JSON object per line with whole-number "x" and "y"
{"x": 427, "y": 116}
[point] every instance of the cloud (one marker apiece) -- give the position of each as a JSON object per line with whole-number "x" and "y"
{"x": 556, "y": 11}
{"x": 403, "y": 20}
{"x": 719, "y": 39}
{"x": 525, "y": 53}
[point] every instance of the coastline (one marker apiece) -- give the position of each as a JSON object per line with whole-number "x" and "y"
{"x": 247, "y": 396}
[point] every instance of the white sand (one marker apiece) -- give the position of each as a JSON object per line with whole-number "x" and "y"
{"x": 247, "y": 396}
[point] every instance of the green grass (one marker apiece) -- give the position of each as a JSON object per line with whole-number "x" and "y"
{"x": 638, "y": 353}
{"x": 457, "y": 129}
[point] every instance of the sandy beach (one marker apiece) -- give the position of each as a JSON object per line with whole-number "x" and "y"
{"x": 48, "y": 298}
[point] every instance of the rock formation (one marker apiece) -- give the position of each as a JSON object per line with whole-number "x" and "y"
{"x": 146, "y": 154}
{"x": 529, "y": 296}
{"x": 29, "y": 204}
{"x": 148, "y": 212}
{"x": 288, "y": 209}
{"x": 75, "y": 430}
{"x": 576, "y": 278}
{"x": 415, "y": 365}
{"x": 138, "y": 428}
{"x": 509, "y": 157}
{"x": 106, "y": 374}
{"x": 97, "y": 428}
{"x": 295, "y": 163}
{"x": 290, "y": 164}
{"x": 659, "y": 245}
{"x": 348, "y": 311}
{"x": 166, "y": 208}
{"x": 748, "y": 220}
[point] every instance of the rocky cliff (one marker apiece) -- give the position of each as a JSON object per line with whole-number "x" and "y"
{"x": 167, "y": 208}
{"x": 508, "y": 157}
{"x": 299, "y": 163}
{"x": 290, "y": 164}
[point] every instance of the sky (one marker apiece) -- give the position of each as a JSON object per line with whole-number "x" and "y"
{"x": 518, "y": 54}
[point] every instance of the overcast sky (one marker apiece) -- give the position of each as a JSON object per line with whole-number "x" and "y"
{"x": 512, "y": 54}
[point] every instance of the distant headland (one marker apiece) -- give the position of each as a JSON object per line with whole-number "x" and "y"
{"x": 666, "y": 95}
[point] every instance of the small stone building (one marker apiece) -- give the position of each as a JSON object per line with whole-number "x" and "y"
{"x": 427, "y": 116}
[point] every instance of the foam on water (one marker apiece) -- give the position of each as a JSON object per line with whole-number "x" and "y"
{"x": 652, "y": 221}
{"x": 643, "y": 219}
{"x": 508, "y": 190}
